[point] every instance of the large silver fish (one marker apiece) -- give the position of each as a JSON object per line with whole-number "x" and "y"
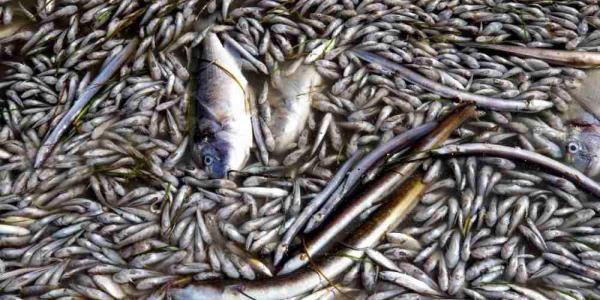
{"x": 583, "y": 141}
{"x": 223, "y": 134}
{"x": 583, "y": 149}
{"x": 290, "y": 102}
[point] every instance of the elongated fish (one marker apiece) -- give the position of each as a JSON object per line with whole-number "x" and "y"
{"x": 528, "y": 106}
{"x": 223, "y": 135}
{"x": 580, "y": 59}
{"x": 290, "y": 101}
{"x": 582, "y": 146}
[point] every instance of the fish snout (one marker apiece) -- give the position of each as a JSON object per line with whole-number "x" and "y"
{"x": 216, "y": 172}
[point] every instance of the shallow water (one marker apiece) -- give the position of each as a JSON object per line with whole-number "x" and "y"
{"x": 119, "y": 209}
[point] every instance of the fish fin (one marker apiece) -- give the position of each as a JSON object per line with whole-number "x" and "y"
{"x": 207, "y": 127}
{"x": 207, "y": 124}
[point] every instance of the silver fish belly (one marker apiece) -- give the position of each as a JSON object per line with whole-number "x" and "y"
{"x": 290, "y": 102}
{"x": 223, "y": 134}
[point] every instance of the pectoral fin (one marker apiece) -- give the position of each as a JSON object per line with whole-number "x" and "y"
{"x": 207, "y": 124}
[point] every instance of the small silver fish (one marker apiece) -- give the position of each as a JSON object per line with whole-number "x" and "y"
{"x": 223, "y": 134}
{"x": 290, "y": 101}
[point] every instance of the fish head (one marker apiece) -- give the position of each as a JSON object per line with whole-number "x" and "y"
{"x": 583, "y": 150}
{"x": 213, "y": 156}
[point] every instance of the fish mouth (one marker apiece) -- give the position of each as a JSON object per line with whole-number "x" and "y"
{"x": 215, "y": 173}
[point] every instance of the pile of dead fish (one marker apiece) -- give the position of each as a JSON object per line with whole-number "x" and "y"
{"x": 153, "y": 145}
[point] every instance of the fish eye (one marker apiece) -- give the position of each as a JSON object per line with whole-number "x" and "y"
{"x": 208, "y": 160}
{"x": 573, "y": 147}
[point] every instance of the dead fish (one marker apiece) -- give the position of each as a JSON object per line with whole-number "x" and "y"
{"x": 290, "y": 101}
{"x": 112, "y": 66}
{"x": 383, "y": 64}
{"x": 565, "y": 57}
{"x": 305, "y": 280}
{"x": 583, "y": 116}
{"x": 223, "y": 132}
{"x": 583, "y": 149}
